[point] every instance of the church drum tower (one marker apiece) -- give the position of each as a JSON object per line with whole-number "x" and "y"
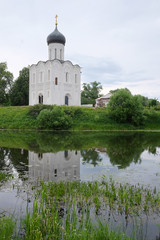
{"x": 55, "y": 81}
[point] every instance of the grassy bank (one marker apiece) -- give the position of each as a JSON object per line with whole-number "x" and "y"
{"x": 82, "y": 119}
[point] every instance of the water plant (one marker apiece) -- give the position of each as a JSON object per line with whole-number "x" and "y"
{"x": 74, "y": 210}
{"x": 7, "y": 226}
{"x": 3, "y": 176}
{"x": 69, "y": 210}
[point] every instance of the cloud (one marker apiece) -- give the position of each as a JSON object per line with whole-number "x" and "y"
{"x": 112, "y": 76}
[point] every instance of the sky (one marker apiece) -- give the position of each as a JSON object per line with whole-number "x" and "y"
{"x": 116, "y": 42}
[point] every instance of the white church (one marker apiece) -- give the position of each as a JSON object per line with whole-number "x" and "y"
{"x": 55, "y": 81}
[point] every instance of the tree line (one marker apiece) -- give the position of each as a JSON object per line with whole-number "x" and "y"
{"x": 15, "y": 93}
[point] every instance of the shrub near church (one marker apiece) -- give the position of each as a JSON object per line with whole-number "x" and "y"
{"x": 126, "y": 108}
{"x": 55, "y": 119}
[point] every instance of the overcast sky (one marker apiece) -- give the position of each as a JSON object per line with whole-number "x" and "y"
{"x": 116, "y": 42}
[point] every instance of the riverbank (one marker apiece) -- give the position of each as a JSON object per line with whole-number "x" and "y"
{"x": 25, "y": 117}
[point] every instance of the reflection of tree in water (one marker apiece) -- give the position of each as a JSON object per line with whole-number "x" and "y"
{"x": 13, "y": 157}
{"x": 123, "y": 150}
{"x": 122, "y": 147}
{"x": 90, "y": 156}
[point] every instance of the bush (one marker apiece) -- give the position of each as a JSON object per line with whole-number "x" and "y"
{"x": 125, "y": 108}
{"x": 36, "y": 109}
{"x": 68, "y": 110}
{"x": 74, "y": 112}
{"x": 54, "y": 119}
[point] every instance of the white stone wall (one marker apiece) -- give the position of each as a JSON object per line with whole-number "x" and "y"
{"x": 43, "y": 82}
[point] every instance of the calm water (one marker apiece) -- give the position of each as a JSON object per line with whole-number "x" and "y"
{"x": 33, "y": 156}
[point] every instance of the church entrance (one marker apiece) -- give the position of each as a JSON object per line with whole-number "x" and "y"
{"x": 66, "y": 100}
{"x": 40, "y": 98}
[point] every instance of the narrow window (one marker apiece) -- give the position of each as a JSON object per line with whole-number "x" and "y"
{"x": 48, "y": 94}
{"x": 41, "y": 76}
{"x": 60, "y": 54}
{"x": 55, "y": 172}
{"x": 56, "y": 81}
{"x": 55, "y": 53}
{"x": 40, "y": 99}
{"x": 33, "y": 77}
{"x": 75, "y": 78}
{"x": 48, "y": 75}
{"x": 40, "y": 156}
{"x": 66, "y": 100}
{"x": 66, "y": 76}
{"x": 66, "y": 153}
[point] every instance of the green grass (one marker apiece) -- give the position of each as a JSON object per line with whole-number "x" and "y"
{"x": 3, "y": 177}
{"x": 16, "y": 118}
{"x": 63, "y": 210}
{"x": 24, "y": 117}
{"x": 74, "y": 210}
{"x": 7, "y": 226}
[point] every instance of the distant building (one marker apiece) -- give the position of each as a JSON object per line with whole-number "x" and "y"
{"x": 103, "y": 101}
{"x": 55, "y": 81}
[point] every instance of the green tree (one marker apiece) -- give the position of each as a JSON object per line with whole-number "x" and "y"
{"x": 125, "y": 108}
{"x": 6, "y": 80}
{"x": 153, "y": 102}
{"x": 19, "y": 93}
{"x": 90, "y": 92}
{"x": 143, "y": 100}
{"x": 114, "y": 91}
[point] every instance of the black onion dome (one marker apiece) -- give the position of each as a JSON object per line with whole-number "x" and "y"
{"x": 56, "y": 37}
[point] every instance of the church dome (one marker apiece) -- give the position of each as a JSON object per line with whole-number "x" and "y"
{"x": 56, "y": 37}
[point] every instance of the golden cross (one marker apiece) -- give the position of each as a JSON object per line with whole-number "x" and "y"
{"x": 56, "y": 19}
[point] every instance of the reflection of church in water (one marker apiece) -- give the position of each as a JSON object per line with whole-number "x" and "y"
{"x": 64, "y": 165}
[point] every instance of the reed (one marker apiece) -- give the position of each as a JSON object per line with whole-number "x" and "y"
{"x": 72, "y": 210}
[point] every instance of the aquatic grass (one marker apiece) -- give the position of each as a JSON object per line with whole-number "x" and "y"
{"x": 3, "y": 176}
{"x": 65, "y": 210}
{"x": 7, "y": 226}
{"x": 74, "y": 210}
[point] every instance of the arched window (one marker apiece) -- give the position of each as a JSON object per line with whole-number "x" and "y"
{"x": 49, "y": 75}
{"x": 66, "y": 153}
{"x": 55, "y": 53}
{"x": 66, "y": 76}
{"x": 66, "y": 100}
{"x": 56, "y": 81}
{"x": 41, "y": 77}
{"x": 75, "y": 78}
{"x": 55, "y": 172}
{"x": 34, "y": 77}
{"x": 40, "y": 98}
{"x": 40, "y": 156}
{"x": 60, "y": 54}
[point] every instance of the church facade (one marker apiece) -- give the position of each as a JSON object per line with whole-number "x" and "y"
{"x": 55, "y": 81}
